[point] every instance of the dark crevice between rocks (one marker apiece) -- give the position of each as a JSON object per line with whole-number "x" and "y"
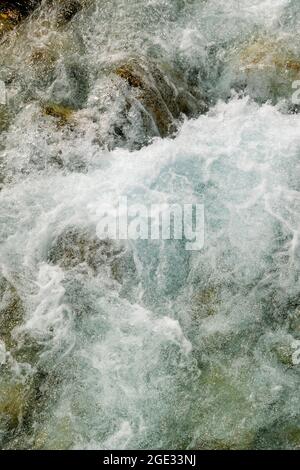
{"x": 23, "y": 396}
{"x": 13, "y": 11}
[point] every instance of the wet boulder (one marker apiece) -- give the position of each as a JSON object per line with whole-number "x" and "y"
{"x": 14, "y": 388}
{"x": 80, "y": 249}
{"x": 12, "y": 11}
{"x": 265, "y": 68}
{"x": 75, "y": 246}
{"x": 23, "y": 7}
{"x": 142, "y": 98}
{"x": 66, "y": 10}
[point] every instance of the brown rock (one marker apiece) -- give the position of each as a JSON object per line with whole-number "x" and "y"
{"x": 164, "y": 94}
{"x": 67, "y": 9}
{"x": 75, "y": 246}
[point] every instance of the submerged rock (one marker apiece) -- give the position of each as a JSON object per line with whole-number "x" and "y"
{"x": 22, "y": 401}
{"x": 25, "y": 387}
{"x": 8, "y": 20}
{"x": 265, "y": 68}
{"x": 205, "y": 302}
{"x": 11, "y": 311}
{"x": 283, "y": 434}
{"x": 4, "y": 118}
{"x": 236, "y": 415}
{"x": 63, "y": 114}
{"x": 13, "y": 403}
{"x": 76, "y": 246}
{"x": 64, "y": 437}
{"x": 79, "y": 249}
{"x": 12, "y": 11}
{"x": 67, "y": 9}
{"x": 133, "y": 100}
{"x": 163, "y": 93}
{"x": 15, "y": 389}
{"x": 139, "y": 99}
{"x": 22, "y": 6}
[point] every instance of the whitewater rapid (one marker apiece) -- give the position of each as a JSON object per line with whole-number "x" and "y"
{"x": 143, "y": 344}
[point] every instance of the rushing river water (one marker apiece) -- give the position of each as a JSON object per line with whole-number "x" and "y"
{"x": 144, "y": 344}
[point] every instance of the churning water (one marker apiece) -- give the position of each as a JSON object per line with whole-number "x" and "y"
{"x": 144, "y": 344}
